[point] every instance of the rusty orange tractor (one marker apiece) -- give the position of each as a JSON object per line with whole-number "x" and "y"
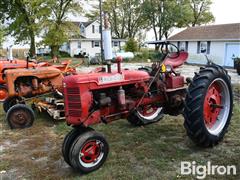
{"x": 10, "y": 64}
{"x": 26, "y": 83}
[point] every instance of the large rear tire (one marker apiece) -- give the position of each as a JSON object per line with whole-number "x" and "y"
{"x": 145, "y": 115}
{"x": 88, "y": 152}
{"x": 209, "y": 104}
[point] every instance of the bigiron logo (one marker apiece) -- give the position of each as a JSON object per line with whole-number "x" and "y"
{"x": 202, "y": 171}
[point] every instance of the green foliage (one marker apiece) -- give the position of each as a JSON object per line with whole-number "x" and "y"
{"x": 163, "y": 16}
{"x": 2, "y": 34}
{"x": 25, "y": 18}
{"x": 131, "y": 45}
{"x": 126, "y": 17}
{"x": 58, "y": 29}
{"x": 200, "y": 12}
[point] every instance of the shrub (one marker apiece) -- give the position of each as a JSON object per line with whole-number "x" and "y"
{"x": 131, "y": 45}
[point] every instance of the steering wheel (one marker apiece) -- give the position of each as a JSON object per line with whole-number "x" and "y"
{"x": 170, "y": 50}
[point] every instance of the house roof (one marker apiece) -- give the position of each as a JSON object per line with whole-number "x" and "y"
{"x": 212, "y": 32}
{"x": 86, "y": 24}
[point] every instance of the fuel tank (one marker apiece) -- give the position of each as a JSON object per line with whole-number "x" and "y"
{"x": 104, "y": 80}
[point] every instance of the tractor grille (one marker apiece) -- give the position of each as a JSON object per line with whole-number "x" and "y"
{"x": 74, "y": 102}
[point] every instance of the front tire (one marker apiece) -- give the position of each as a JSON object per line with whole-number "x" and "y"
{"x": 209, "y": 104}
{"x": 68, "y": 141}
{"x": 88, "y": 152}
{"x": 20, "y": 116}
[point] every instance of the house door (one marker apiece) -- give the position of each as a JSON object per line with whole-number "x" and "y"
{"x": 232, "y": 50}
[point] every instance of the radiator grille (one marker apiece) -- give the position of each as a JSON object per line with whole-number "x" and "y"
{"x": 74, "y": 102}
{"x": 73, "y": 91}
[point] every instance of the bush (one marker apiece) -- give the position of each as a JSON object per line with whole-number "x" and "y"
{"x": 237, "y": 64}
{"x": 63, "y": 54}
{"x": 131, "y": 45}
{"x": 236, "y": 61}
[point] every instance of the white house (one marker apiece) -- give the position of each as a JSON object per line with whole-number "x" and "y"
{"x": 89, "y": 40}
{"x": 220, "y": 42}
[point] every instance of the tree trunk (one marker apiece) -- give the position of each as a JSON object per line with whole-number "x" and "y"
{"x": 55, "y": 52}
{"x": 32, "y": 50}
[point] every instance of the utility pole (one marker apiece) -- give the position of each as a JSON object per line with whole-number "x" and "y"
{"x": 101, "y": 29}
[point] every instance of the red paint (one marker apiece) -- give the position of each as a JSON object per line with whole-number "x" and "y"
{"x": 3, "y": 94}
{"x": 213, "y": 96}
{"x": 174, "y": 81}
{"x": 176, "y": 62}
{"x": 90, "y": 152}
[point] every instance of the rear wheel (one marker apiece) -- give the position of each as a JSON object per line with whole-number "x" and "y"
{"x": 88, "y": 152}
{"x": 146, "y": 115}
{"x": 209, "y": 105}
{"x": 20, "y": 116}
{"x": 3, "y": 93}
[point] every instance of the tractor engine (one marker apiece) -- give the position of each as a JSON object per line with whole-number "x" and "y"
{"x": 30, "y": 86}
{"x": 31, "y": 82}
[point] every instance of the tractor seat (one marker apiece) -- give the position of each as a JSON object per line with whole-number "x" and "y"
{"x": 176, "y": 62}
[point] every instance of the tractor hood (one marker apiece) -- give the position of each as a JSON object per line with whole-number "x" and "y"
{"x": 106, "y": 79}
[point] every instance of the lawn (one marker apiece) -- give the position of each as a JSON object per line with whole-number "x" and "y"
{"x": 151, "y": 152}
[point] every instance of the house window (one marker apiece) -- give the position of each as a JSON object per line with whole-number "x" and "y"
{"x": 79, "y": 44}
{"x": 204, "y": 47}
{"x": 115, "y": 44}
{"x": 95, "y": 44}
{"x": 82, "y": 30}
{"x": 97, "y": 29}
{"x": 183, "y": 45}
{"x": 93, "y": 29}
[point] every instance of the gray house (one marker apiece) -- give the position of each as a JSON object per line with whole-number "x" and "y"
{"x": 220, "y": 42}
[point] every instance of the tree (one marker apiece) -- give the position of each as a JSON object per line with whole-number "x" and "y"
{"x": 24, "y": 19}
{"x": 58, "y": 29}
{"x": 200, "y": 12}
{"x": 2, "y": 34}
{"x": 165, "y": 15}
{"x": 126, "y": 17}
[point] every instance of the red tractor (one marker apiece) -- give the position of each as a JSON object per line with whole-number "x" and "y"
{"x": 142, "y": 97}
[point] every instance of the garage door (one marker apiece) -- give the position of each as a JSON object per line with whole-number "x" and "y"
{"x": 232, "y": 50}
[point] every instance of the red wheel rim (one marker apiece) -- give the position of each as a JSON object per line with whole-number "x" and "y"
{"x": 90, "y": 152}
{"x": 3, "y": 94}
{"x": 212, "y": 105}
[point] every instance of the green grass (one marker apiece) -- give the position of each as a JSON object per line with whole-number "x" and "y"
{"x": 151, "y": 152}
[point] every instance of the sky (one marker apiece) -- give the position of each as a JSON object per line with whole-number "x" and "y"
{"x": 224, "y": 11}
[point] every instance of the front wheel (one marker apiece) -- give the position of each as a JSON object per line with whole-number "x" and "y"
{"x": 88, "y": 152}
{"x": 69, "y": 139}
{"x": 146, "y": 115}
{"x": 209, "y": 106}
{"x": 20, "y": 116}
